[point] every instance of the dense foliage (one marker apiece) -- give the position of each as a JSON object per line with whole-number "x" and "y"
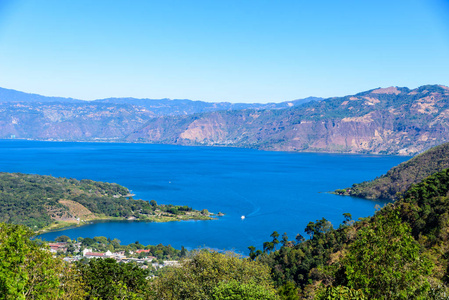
{"x": 400, "y": 178}
{"x": 107, "y": 279}
{"x": 400, "y": 253}
{"x": 38, "y": 201}
{"x": 386, "y": 262}
{"x": 212, "y": 276}
{"x": 29, "y": 271}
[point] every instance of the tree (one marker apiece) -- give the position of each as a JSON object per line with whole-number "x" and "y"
{"x": 348, "y": 218}
{"x": 340, "y": 293}
{"x": 268, "y": 247}
{"x": 234, "y": 290}
{"x": 183, "y": 252}
{"x": 252, "y": 254}
{"x": 62, "y": 238}
{"x": 275, "y": 241}
{"x": 318, "y": 228}
{"x": 288, "y": 291}
{"x": 101, "y": 240}
{"x": 71, "y": 249}
{"x": 310, "y": 229}
{"x": 107, "y": 279}
{"x": 115, "y": 243}
{"x": 201, "y": 276}
{"x": 72, "y": 283}
{"x": 284, "y": 239}
{"x": 87, "y": 242}
{"x": 299, "y": 238}
{"x": 385, "y": 261}
{"x": 27, "y": 269}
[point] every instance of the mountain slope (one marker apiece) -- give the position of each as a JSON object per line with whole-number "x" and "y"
{"x": 8, "y": 95}
{"x": 70, "y": 121}
{"x": 384, "y": 121}
{"x": 400, "y": 178}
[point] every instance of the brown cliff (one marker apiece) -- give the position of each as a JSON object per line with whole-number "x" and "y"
{"x": 381, "y": 121}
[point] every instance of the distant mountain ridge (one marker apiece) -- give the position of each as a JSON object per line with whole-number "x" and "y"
{"x": 8, "y": 95}
{"x": 155, "y": 107}
{"x": 394, "y": 120}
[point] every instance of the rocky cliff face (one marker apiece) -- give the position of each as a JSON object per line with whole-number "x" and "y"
{"x": 68, "y": 121}
{"x": 383, "y": 121}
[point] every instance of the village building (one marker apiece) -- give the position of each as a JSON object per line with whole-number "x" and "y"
{"x": 58, "y": 247}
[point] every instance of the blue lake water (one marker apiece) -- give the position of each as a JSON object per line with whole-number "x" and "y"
{"x": 275, "y": 190}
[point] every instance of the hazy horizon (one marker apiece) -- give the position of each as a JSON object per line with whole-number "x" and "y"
{"x": 235, "y": 102}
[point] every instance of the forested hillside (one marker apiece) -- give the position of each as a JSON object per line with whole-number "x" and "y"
{"x": 400, "y": 178}
{"x": 400, "y": 253}
{"x": 39, "y": 201}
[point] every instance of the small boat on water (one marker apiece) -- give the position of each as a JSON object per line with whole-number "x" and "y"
{"x": 242, "y": 217}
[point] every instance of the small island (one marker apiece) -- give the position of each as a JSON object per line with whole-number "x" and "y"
{"x": 46, "y": 203}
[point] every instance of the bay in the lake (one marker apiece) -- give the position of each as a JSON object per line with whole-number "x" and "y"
{"x": 275, "y": 190}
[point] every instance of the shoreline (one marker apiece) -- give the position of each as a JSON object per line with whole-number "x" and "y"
{"x": 68, "y": 225}
{"x": 249, "y": 147}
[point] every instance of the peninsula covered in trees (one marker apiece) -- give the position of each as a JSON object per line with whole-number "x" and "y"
{"x": 46, "y": 202}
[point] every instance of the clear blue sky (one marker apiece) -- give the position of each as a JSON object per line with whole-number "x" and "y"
{"x": 229, "y": 50}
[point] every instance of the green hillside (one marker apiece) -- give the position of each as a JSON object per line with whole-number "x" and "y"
{"x": 401, "y": 177}
{"x": 41, "y": 201}
{"x": 400, "y": 253}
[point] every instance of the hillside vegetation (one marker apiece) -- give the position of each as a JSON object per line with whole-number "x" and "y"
{"x": 41, "y": 201}
{"x": 399, "y": 253}
{"x": 29, "y": 271}
{"x": 400, "y": 178}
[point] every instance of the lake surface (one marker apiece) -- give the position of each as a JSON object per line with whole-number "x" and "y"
{"x": 275, "y": 190}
